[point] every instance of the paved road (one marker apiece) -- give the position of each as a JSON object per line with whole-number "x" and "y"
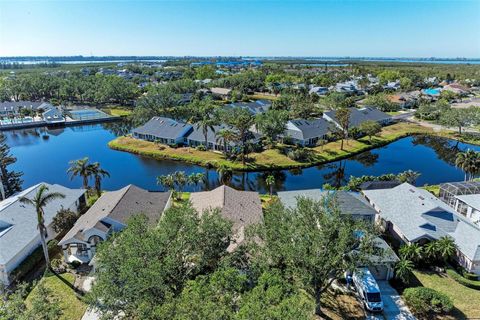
{"x": 394, "y": 307}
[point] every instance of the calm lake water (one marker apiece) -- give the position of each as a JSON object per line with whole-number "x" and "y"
{"x": 45, "y": 159}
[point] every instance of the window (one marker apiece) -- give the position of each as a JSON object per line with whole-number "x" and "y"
{"x": 374, "y": 297}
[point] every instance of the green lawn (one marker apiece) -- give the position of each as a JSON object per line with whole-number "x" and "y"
{"x": 270, "y": 158}
{"x": 72, "y": 307}
{"x": 435, "y": 189}
{"x": 465, "y": 300}
{"x": 119, "y": 112}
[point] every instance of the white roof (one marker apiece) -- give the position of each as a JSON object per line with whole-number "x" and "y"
{"x": 419, "y": 214}
{"x": 472, "y": 200}
{"x": 18, "y": 221}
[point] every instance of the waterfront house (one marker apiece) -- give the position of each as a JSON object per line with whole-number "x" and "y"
{"x": 19, "y": 235}
{"x": 307, "y": 132}
{"x": 242, "y": 208}
{"x": 53, "y": 115}
{"x": 110, "y": 213}
{"x": 469, "y": 206}
{"x": 358, "y": 116}
{"x": 414, "y": 215}
{"x": 12, "y": 108}
{"x": 348, "y": 202}
{"x": 197, "y": 138}
{"x": 164, "y": 130}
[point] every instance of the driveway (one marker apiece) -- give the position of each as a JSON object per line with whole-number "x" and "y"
{"x": 394, "y": 307}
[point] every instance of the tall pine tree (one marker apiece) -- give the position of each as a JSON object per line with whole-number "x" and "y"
{"x": 10, "y": 180}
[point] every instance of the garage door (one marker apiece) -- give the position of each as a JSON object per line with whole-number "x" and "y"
{"x": 379, "y": 272}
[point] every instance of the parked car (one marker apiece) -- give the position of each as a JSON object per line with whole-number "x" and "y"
{"x": 368, "y": 290}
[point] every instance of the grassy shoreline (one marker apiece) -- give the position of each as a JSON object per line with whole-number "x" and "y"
{"x": 270, "y": 159}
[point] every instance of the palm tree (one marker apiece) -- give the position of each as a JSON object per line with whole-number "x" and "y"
{"x": 225, "y": 136}
{"x": 270, "y": 181}
{"x": 403, "y": 270}
{"x": 98, "y": 174}
{"x": 409, "y": 176}
{"x": 469, "y": 162}
{"x": 412, "y": 252}
{"x": 39, "y": 201}
{"x": 80, "y": 168}
{"x": 430, "y": 250}
{"x": 196, "y": 178}
{"x": 204, "y": 116}
{"x": 167, "y": 181}
{"x": 180, "y": 180}
{"x": 225, "y": 174}
{"x": 446, "y": 248}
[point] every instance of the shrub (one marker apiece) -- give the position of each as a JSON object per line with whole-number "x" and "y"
{"x": 426, "y": 301}
{"x": 75, "y": 264}
{"x": 201, "y": 148}
{"x": 300, "y": 154}
{"x": 470, "y": 283}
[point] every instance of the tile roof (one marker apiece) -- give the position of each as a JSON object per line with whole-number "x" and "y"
{"x": 120, "y": 205}
{"x": 418, "y": 214}
{"x": 243, "y": 208}
{"x": 18, "y": 221}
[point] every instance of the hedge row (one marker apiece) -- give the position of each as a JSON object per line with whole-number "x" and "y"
{"x": 426, "y": 301}
{"x": 463, "y": 281}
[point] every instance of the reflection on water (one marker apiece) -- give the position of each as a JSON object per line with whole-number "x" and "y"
{"x": 43, "y": 155}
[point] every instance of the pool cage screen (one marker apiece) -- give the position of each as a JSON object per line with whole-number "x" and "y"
{"x": 449, "y": 190}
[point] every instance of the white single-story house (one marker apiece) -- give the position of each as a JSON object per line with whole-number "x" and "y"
{"x": 110, "y": 213}
{"x": 164, "y": 130}
{"x": 414, "y": 215}
{"x": 307, "y": 132}
{"x": 19, "y": 235}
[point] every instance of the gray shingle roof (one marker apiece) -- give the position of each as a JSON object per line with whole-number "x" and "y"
{"x": 418, "y": 214}
{"x": 348, "y": 202}
{"x": 302, "y": 129}
{"x": 374, "y": 185}
{"x": 120, "y": 205}
{"x": 255, "y": 107}
{"x": 197, "y": 134}
{"x": 358, "y": 116}
{"x": 243, "y": 208}
{"x": 472, "y": 200}
{"x": 164, "y": 128}
{"x": 15, "y": 105}
{"x": 18, "y": 221}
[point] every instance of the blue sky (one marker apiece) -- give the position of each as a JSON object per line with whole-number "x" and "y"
{"x": 258, "y": 28}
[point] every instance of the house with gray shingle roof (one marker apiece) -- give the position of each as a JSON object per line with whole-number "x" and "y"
{"x": 348, "y": 202}
{"x": 196, "y": 137}
{"x": 358, "y": 116}
{"x": 19, "y": 235}
{"x": 242, "y": 208}
{"x": 307, "y": 132}
{"x": 255, "y": 107}
{"x": 414, "y": 215}
{"x": 164, "y": 130}
{"x": 110, "y": 213}
{"x": 354, "y": 204}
